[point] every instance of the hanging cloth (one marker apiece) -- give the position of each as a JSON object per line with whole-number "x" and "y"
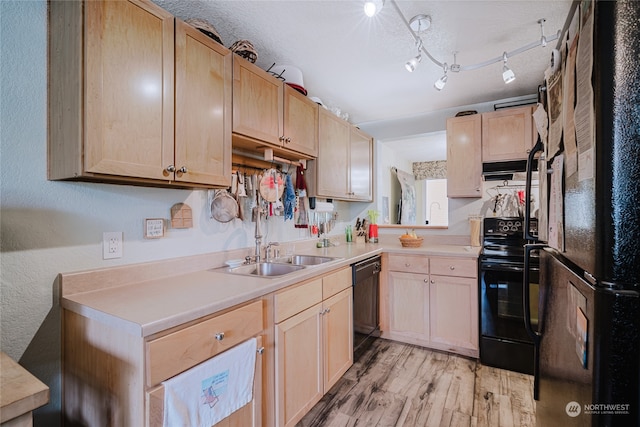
{"x": 301, "y": 215}
{"x": 289, "y": 198}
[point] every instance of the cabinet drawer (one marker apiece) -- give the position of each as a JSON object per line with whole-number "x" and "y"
{"x": 409, "y": 263}
{"x": 335, "y": 282}
{"x": 461, "y": 267}
{"x": 296, "y": 299}
{"x": 178, "y": 351}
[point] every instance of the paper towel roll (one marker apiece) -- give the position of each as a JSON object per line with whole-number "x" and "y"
{"x": 324, "y": 207}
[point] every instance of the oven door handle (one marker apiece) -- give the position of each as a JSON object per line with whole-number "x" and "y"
{"x": 535, "y": 335}
{"x": 503, "y": 267}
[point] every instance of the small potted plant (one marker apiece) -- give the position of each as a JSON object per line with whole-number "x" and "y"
{"x": 373, "y": 225}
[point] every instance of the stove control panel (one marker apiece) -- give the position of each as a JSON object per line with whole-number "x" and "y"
{"x": 508, "y": 226}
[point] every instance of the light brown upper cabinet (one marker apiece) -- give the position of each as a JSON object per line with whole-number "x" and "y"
{"x": 508, "y": 134}
{"x": 344, "y": 168}
{"x": 464, "y": 156}
{"x": 203, "y": 108}
{"x": 122, "y": 84}
{"x": 270, "y": 114}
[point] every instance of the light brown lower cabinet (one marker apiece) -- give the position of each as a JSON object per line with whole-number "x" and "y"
{"x": 114, "y": 377}
{"x": 431, "y": 301}
{"x": 250, "y": 415}
{"x": 313, "y": 342}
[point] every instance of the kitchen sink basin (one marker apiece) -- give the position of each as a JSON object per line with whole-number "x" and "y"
{"x": 265, "y": 269}
{"x": 305, "y": 259}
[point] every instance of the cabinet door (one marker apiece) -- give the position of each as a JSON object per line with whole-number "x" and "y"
{"x": 464, "y": 159}
{"x": 332, "y": 174}
{"x": 300, "y": 122}
{"x": 299, "y": 381}
{"x": 507, "y": 134}
{"x": 129, "y": 96}
{"x": 337, "y": 331}
{"x": 203, "y": 108}
{"x": 408, "y": 307}
{"x": 257, "y": 103}
{"x": 360, "y": 166}
{"x": 454, "y": 314}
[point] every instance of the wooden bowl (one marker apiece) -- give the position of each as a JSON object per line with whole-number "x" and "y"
{"x": 411, "y": 242}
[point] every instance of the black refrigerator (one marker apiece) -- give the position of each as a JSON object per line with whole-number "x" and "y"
{"x": 587, "y": 341}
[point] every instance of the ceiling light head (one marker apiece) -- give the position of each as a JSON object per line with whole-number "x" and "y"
{"x": 372, "y": 7}
{"x": 412, "y": 64}
{"x": 420, "y": 23}
{"x": 442, "y": 81}
{"x": 507, "y": 75}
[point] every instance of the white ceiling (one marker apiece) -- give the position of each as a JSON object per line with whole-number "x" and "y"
{"x": 357, "y": 63}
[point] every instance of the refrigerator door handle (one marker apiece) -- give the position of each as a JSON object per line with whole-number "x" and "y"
{"x": 535, "y": 335}
{"x": 539, "y": 147}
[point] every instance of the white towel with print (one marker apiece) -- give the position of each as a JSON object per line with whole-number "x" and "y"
{"x": 212, "y": 390}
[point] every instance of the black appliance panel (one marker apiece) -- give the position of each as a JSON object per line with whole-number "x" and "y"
{"x": 366, "y": 322}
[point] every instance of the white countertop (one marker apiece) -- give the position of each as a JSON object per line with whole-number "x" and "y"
{"x": 145, "y": 307}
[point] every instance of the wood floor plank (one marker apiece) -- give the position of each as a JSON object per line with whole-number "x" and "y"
{"x": 402, "y": 385}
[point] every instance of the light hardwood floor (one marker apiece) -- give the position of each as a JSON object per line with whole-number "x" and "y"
{"x": 395, "y": 384}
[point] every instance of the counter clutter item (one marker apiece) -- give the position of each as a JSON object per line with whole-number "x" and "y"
{"x": 411, "y": 240}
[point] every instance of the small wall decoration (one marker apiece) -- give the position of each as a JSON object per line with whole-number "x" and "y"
{"x": 181, "y": 216}
{"x": 153, "y": 228}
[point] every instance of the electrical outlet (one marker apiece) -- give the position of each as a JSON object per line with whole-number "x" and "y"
{"x": 111, "y": 244}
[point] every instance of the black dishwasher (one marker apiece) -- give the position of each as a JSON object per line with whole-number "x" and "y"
{"x": 366, "y": 322}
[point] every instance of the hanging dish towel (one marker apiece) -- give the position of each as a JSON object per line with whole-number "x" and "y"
{"x": 289, "y": 198}
{"x": 213, "y": 390}
{"x": 301, "y": 219}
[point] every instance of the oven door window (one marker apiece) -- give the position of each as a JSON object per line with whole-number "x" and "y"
{"x": 502, "y": 302}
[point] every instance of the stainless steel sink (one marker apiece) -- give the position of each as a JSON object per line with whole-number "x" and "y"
{"x": 265, "y": 269}
{"x": 305, "y": 259}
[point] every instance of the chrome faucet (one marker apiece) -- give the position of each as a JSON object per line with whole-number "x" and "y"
{"x": 267, "y": 251}
{"x": 258, "y": 234}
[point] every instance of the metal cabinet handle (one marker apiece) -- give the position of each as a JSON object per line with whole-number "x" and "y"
{"x": 433, "y": 281}
{"x": 427, "y": 281}
{"x": 406, "y": 264}
{"x": 219, "y": 336}
{"x": 281, "y": 138}
{"x": 171, "y": 168}
{"x": 451, "y": 267}
{"x": 287, "y": 140}
{"x": 183, "y": 169}
{"x": 261, "y": 350}
{"x": 328, "y": 310}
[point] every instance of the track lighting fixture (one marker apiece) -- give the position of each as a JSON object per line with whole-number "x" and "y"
{"x": 439, "y": 84}
{"x": 543, "y": 39}
{"x": 420, "y": 23}
{"x": 507, "y": 75}
{"x": 372, "y": 7}
{"x": 412, "y": 64}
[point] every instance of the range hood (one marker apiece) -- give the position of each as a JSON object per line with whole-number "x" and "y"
{"x": 503, "y": 171}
